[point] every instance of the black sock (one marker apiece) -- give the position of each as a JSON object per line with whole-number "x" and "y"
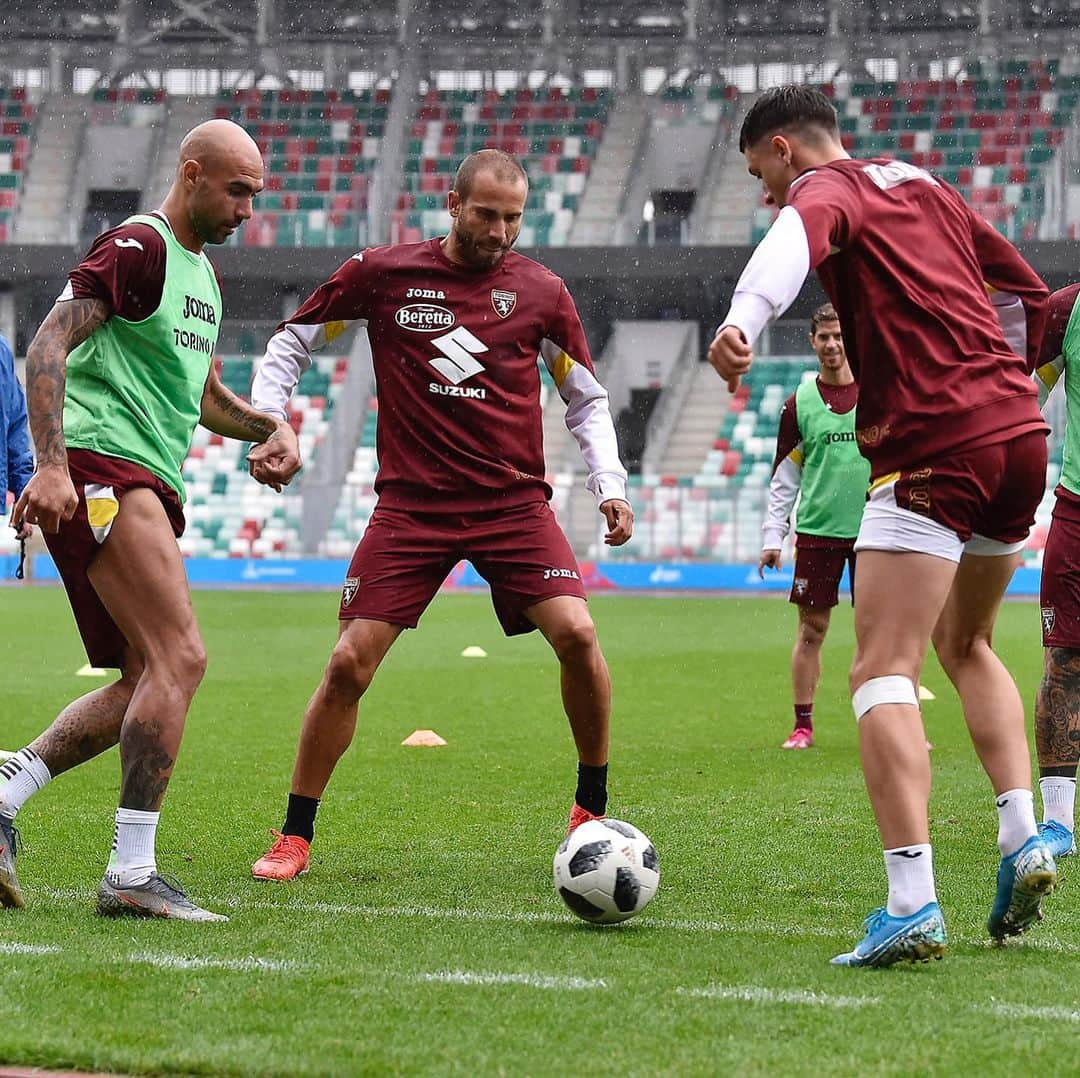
{"x": 300, "y": 817}
{"x": 1066, "y": 772}
{"x": 592, "y": 788}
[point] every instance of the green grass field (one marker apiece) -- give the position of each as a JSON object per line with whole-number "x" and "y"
{"x": 427, "y": 938}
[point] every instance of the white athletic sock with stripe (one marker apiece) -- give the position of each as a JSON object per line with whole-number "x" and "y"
{"x": 24, "y": 774}
{"x": 1058, "y": 798}
{"x": 911, "y": 878}
{"x": 1016, "y": 819}
{"x": 132, "y": 861}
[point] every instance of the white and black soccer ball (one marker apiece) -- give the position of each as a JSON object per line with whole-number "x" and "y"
{"x": 606, "y": 871}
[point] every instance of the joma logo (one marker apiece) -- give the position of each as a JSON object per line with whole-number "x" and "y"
{"x": 196, "y": 308}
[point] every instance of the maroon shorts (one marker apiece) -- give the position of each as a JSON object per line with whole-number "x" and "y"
{"x": 404, "y": 557}
{"x": 991, "y": 490}
{"x": 819, "y": 565}
{"x": 1059, "y": 592}
{"x": 100, "y": 482}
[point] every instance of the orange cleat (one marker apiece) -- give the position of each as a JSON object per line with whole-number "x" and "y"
{"x": 578, "y": 816}
{"x": 800, "y": 738}
{"x": 285, "y": 860}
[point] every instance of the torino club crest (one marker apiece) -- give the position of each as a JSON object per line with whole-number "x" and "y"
{"x": 503, "y": 302}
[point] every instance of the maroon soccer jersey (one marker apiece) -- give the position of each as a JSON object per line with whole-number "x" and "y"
{"x": 906, "y": 263}
{"x": 125, "y": 269}
{"x": 455, "y": 355}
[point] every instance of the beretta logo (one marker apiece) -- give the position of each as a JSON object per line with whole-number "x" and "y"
{"x": 424, "y": 318}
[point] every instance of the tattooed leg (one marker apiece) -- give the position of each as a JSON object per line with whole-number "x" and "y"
{"x": 90, "y": 725}
{"x": 148, "y": 751}
{"x": 1057, "y": 713}
{"x": 140, "y": 577}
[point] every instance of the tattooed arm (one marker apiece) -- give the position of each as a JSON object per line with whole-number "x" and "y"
{"x": 277, "y": 458}
{"x": 49, "y": 497}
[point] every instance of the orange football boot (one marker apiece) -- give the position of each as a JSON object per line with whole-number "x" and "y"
{"x": 285, "y": 860}
{"x": 578, "y": 816}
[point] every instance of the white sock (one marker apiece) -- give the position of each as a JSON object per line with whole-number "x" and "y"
{"x": 1016, "y": 819}
{"x": 24, "y": 774}
{"x": 1058, "y": 797}
{"x": 132, "y": 861}
{"x": 911, "y": 878}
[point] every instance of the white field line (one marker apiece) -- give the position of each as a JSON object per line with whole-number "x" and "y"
{"x": 747, "y": 928}
{"x": 250, "y": 964}
{"x": 1021, "y": 1010}
{"x": 738, "y": 993}
{"x": 530, "y": 980}
{"x": 756, "y": 994}
{"x": 8, "y": 947}
{"x": 438, "y": 913}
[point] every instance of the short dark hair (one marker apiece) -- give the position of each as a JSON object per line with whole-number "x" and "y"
{"x": 825, "y": 313}
{"x": 786, "y": 107}
{"x": 502, "y": 165}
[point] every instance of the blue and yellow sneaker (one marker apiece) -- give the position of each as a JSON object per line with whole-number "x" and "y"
{"x": 1058, "y": 838}
{"x": 917, "y": 938}
{"x": 1023, "y": 878}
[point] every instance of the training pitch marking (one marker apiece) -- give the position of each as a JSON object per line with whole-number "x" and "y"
{"x": 8, "y": 947}
{"x": 756, "y": 994}
{"x": 250, "y": 964}
{"x": 1020, "y": 1010}
{"x": 750, "y": 928}
{"x": 529, "y": 980}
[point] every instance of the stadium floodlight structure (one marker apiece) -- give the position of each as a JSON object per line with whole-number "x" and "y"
{"x": 274, "y": 40}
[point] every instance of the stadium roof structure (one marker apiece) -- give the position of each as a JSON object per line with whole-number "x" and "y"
{"x": 122, "y": 38}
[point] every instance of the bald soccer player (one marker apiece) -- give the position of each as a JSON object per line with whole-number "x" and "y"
{"x": 118, "y": 375}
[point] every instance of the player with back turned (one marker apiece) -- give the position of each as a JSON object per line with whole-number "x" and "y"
{"x": 456, "y": 325}
{"x": 938, "y": 312}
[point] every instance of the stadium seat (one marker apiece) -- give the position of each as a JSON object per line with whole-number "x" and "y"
{"x": 320, "y": 154}
{"x": 229, "y": 515}
{"x": 1011, "y": 118}
{"x": 554, "y": 132}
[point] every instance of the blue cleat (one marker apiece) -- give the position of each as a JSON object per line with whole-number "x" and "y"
{"x": 1058, "y": 838}
{"x": 917, "y": 938}
{"x": 1023, "y": 879}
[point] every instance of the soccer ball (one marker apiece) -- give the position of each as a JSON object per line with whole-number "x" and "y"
{"x": 606, "y": 871}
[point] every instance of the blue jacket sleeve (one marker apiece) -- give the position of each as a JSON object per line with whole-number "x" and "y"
{"x": 20, "y": 457}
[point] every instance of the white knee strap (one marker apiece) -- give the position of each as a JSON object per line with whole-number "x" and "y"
{"x": 893, "y": 689}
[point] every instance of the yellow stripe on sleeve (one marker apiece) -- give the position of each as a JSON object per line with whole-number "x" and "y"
{"x": 882, "y": 481}
{"x": 561, "y": 368}
{"x": 1048, "y": 374}
{"x": 332, "y": 330}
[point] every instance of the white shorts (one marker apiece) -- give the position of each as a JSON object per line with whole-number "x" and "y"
{"x": 888, "y": 526}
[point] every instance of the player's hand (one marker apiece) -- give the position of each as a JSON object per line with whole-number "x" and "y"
{"x": 730, "y": 356}
{"x": 48, "y": 500}
{"x": 620, "y": 521}
{"x": 277, "y": 460}
{"x": 24, "y": 532}
{"x": 770, "y": 559}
